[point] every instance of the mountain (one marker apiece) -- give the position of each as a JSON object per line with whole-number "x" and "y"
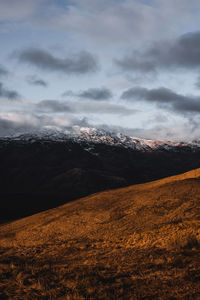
{"x": 101, "y": 136}
{"x": 137, "y": 242}
{"x": 45, "y": 169}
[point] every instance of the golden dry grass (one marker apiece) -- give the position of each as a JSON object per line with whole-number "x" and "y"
{"x": 139, "y": 242}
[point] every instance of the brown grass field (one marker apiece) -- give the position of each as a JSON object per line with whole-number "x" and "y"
{"x": 138, "y": 242}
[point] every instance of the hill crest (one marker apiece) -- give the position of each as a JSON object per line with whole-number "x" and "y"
{"x": 117, "y": 214}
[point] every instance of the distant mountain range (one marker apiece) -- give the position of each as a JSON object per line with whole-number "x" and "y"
{"x": 41, "y": 170}
{"x": 101, "y": 136}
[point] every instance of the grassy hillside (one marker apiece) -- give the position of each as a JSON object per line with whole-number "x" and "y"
{"x": 138, "y": 242}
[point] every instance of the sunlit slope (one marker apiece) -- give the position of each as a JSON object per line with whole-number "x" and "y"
{"x": 163, "y": 213}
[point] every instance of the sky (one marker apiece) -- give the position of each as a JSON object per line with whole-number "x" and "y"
{"x": 123, "y": 65}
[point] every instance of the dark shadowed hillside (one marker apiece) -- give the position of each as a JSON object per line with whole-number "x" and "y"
{"x": 138, "y": 242}
{"x": 37, "y": 175}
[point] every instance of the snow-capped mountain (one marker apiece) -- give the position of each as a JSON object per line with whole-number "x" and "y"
{"x": 90, "y": 136}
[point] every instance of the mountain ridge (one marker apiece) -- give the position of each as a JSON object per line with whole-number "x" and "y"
{"x": 101, "y": 136}
{"x": 38, "y": 173}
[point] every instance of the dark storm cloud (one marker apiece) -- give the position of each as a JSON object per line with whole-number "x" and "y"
{"x": 164, "y": 98}
{"x": 96, "y": 94}
{"x": 9, "y": 94}
{"x": 183, "y": 52}
{"x": 53, "y": 106}
{"x": 81, "y": 63}
{"x": 3, "y": 71}
{"x": 36, "y": 81}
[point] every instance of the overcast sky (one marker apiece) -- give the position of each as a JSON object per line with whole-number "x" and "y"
{"x": 127, "y": 65}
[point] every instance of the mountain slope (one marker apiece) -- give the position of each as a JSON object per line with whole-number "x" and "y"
{"x": 140, "y": 241}
{"x": 39, "y": 172}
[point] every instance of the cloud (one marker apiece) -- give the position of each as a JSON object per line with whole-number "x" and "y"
{"x": 160, "y": 95}
{"x": 164, "y": 98}
{"x": 3, "y": 71}
{"x": 96, "y": 94}
{"x": 76, "y": 107}
{"x": 8, "y": 94}
{"x": 81, "y": 63}
{"x": 36, "y": 81}
{"x": 180, "y": 53}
